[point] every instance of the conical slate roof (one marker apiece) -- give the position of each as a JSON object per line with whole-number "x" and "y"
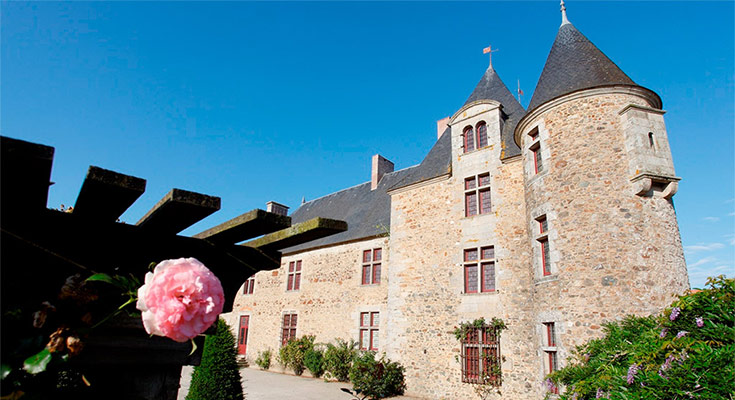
{"x": 575, "y": 63}
{"x": 491, "y": 87}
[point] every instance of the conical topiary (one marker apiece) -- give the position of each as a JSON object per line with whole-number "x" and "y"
{"x": 218, "y": 376}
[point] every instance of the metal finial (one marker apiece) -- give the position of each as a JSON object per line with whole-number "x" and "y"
{"x": 489, "y": 50}
{"x": 564, "y": 19}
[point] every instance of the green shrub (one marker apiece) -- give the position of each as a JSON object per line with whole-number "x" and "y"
{"x": 687, "y": 352}
{"x": 338, "y": 359}
{"x": 264, "y": 359}
{"x": 217, "y": 377}
{"x": 314, "y": 361}
{"x": 292, "y": 354}
{"x": 376, "y": 379}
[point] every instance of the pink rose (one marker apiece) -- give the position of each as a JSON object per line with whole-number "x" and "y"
{"x": 180, "y": 299}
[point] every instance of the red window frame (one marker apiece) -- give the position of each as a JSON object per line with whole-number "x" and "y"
{"x": 480, "y": 279}
{"x": 481, "y": 356}
{"x": 481, "y": 130}
{"x": 468, "y": 139}
{"x": 288, "y": 327}
{"x": 552, "y": 360}
{"x": 372, "y": 266}
{"x": 477, "y": 195}
{"x": 543, "y": 240}
{"x": 249, "y": 286}
{"x": 535, "y": 148}
{"x": 294, "y": 276}
{"x": 369, "y": 330}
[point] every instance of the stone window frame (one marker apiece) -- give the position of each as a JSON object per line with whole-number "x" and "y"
{"x": 484, "y": 257}
{"x": 477, "y": 136}
{"x": 485, "y": 339}
{"x": 369, "y": 330}
{"x": 550, "y": 350}
{"x": 473, "y": 186}
{"x": 288, "y": 330}
{"x": 371, "y": 264}
{"x": 249, "y": 286}
{"x": 293, "y": 278}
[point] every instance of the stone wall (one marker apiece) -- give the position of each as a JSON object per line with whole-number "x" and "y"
{"x": 328, "y": 304}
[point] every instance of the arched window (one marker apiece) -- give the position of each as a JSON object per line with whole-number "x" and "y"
{"x": 481, "y": 134}
{"x": 651, "y": 142}
{"x": 469, "y": 139}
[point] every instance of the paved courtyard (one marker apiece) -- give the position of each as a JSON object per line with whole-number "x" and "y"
{"x": 261, "y": 385}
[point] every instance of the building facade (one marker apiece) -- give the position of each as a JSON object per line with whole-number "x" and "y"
{"x": 553, "y": 219}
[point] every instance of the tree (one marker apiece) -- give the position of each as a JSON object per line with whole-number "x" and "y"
{"x": 218, "y": 376}
{"x": 687, "y": 352}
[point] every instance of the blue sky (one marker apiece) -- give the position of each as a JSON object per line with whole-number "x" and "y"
{"x": 259, "y": 101}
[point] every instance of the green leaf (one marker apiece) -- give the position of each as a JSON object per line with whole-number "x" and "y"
{"x": 38, "y": 362}
{"x": 5, "y": 370}
{"x": 103, "y": 278}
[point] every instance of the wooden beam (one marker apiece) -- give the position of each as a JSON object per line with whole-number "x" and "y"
{"x": 303, "y": 232}
{"x": 178, "y": 210}
{"x": 25, "y": 173}
{"x": 247, "y": 226}
{"x": 105, "y": 194}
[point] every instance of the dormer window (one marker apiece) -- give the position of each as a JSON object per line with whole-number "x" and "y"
{"x": 475, "y": 139}
{"x": 469, "y": 139}
{"x": 481, "y": 134}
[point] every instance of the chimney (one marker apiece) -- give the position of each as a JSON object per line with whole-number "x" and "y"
{"x": 381, "y": 166}
{"x": 276, "y": 208}
{"x": 441, "y": 126}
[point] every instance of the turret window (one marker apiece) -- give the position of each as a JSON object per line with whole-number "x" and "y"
{"x": 535, "y": 149}
{"x": 542, "y": 238}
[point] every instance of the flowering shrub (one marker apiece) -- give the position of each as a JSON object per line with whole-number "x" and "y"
{"x": 180, "y": 299}
{"x": 293, "y": 353}
{"x": 687, "y": 352}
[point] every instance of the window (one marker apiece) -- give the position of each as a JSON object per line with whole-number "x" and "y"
{"x": 481, "y": 356}
{"x": 371, "y": 266}
{"x": 481, "y": 135}
{"x": 651, "y": 141}
{"x": 288, "y": 329}
{"x": 538, "y": 165}
{"x": 294, "y": 275}
{"x": 369, "y": 323}
{"x": 249, "y": 286}
{"x": 549, "y": 347}
{"x": 482, "y": 279}
{"x": 469, "y": 139}
{"x": 477, "y": 189}
{"x": 543, "y": 239}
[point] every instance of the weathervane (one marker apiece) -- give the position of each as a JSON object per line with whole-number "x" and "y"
{"x": 489, "y": 50}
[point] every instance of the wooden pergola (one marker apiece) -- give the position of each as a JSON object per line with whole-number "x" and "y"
{"x": 42, "y": 247}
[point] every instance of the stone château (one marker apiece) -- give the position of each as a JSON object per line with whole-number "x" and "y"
{"x": 554, "y": 219}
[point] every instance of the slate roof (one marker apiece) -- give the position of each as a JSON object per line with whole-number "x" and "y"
{"x": 491, "y": 87}
{"x": 367, "y": 212}
{"x": 437, "y": 163}
{"x": 575, "y": 63}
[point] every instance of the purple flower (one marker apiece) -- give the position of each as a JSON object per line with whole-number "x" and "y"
{"x": 663, "y": 333}
{"x": 574, "y": 396}
{"x": 632, "y": 371}
{"x": 666, "y": 365}
{"x": 600, "y": 394}
{"x": 548, "y": 384}
{"x": 675, "y": 313}
{"x": 700, "y": 322}
{"x": 681, "y": 334}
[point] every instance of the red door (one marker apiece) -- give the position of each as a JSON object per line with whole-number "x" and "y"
{"x": 242, "y": 341}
